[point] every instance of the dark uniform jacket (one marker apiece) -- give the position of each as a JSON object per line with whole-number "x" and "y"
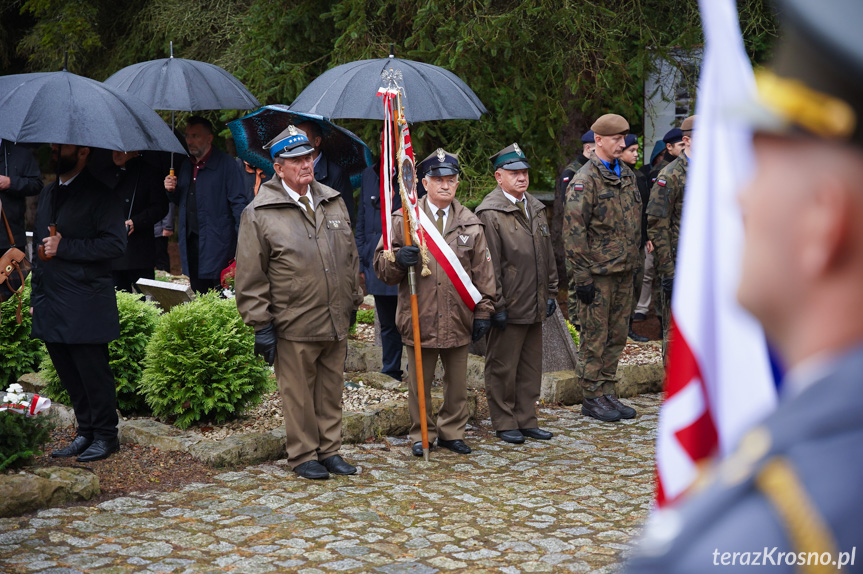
{"x": 142, "y": 192}
{"x": 525, "y": 272}
{"x": 664, "y": 212}
{"x": 73, "y": 293}
{"x": 806, "y": 453}
{"x": 445, "y": 320}
{"x": 370, "y": 228}
{"x": 602, "y": 222}
{"x": 329, "y": 173}
{"x": 18, "y": 164}
{"x": 221, "y": 198}
{"x": 303, "y": 277}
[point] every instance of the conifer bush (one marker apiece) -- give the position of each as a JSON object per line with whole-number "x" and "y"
{"x": 19, "y": 354}
{"x": 138, "y": 319}
{"x": 201, "y": 364}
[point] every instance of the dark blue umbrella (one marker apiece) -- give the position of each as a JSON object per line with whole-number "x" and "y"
{"x": 350, "y": 91}
{"x": 251, "y": 132}
{"x": 183, "y": 85}
{"x": 64, "y": 108}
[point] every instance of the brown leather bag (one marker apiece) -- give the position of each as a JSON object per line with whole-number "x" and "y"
{"x": 14, "y": 268}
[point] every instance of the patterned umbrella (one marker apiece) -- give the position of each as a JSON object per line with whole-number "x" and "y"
{"x": 251, "y": 132}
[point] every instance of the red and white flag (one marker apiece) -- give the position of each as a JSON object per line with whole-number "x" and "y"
{"x": 387, "y": 167}
{"x": 719, "y": 380}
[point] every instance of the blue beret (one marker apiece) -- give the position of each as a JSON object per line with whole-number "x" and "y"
{"x": 588, "y": 137}
{"x": 674, "y": 135}
{"x": 631, "y": 139}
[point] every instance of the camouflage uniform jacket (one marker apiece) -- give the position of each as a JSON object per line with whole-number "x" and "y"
{"x": 663, "y": 214}
{"x": 602, "y": 222}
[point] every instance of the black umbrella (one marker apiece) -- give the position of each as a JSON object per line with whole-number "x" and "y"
{"x": 64, "y": 108}
{"x": 183, "y": 85}
{"x": 256, "y": 129}
{"x": 429, "y": 92}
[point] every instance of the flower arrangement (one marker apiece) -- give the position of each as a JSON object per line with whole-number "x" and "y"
{"x": 21, "y": 436}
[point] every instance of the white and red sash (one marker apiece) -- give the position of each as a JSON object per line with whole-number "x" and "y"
{"x": 448, "y": 260}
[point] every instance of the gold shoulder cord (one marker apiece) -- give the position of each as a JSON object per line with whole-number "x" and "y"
{"x": 804, "y": 525}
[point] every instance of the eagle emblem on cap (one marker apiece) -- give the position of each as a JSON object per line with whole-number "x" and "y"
{"x": 292, "y": 130}
{"x": 441, "y": 156}
{"x": 517, "y": 149}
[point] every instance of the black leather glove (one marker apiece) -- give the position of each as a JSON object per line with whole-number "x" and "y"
{"x": 265, "y": 343}
{"x": 353, "y": 318}
{"x": 667, "y": 285}
{"x": 480, "y": 328}
{"x": 550, "y": 307}
{"x": 407, "y": 256}
{"x": 498, "y": 320}
{"x": 585, "y": 293}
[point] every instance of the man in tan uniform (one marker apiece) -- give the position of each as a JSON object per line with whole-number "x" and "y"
{"x": 447, "y": 324}
{"x": 297, "y": 285}
{"x": 516, "y": 228}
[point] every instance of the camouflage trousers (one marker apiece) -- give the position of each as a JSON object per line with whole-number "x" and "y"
{"x": 665, "y": 314}
{"x": 604, "y": 326}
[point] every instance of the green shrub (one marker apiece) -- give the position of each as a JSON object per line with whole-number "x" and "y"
{"x": 573, "y": 332}
{"x": 366, "y": 316}
{"x": 19, "y": 354}
{"x": 201, "y": 365}
{"x": 21, "y": 438}
{"x": 138, "y": 319}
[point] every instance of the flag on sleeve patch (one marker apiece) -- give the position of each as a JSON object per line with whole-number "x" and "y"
{"x": 661, "y": 182}
{"x": 578, "y": 187}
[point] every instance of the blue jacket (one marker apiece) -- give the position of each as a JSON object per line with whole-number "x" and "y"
{"x": 369, "y": 230}
{"x": 221, "y": 200}
{"x": 329, "y": 173}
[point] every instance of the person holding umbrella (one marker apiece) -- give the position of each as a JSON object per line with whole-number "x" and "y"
{"x": 328, "y": 172}
{"x": 447, "y": 324}
{"x": 297, "y": 284}
{"x": 73, "y": 302}
{"x": 210, "y": 192}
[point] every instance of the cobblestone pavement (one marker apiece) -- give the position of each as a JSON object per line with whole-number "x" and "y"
{"x": 566, "y": 505}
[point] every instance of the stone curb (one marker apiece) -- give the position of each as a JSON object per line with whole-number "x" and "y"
{"x": 45, "y": 487}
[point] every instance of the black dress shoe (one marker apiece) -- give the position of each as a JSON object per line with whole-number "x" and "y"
{"x": 417, "y": 448}
{"x": 99, "y": 450}
{"x": 76, "y": 447}
{"x": 537, "y": 433}
{"x": 513, "y": 436}
{"x": 636, "y": 337}
{"x": 457, "y": 445}
{"x": 599, "y": 409}
{"x": 625, "y": 411}
{"x": 337, "y": 465}
{"x": 312, "y": 469}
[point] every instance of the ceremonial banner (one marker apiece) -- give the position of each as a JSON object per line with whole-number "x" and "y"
{"x": 387, "y": 168}
{"x": 719, "y": 380}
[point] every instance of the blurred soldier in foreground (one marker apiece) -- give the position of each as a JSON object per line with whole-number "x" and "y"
{"x": 447, "y": 324}
{"x": 789, "y": 499}
{"x": 663, "y": 224}
{"x": 297, "y": 284}
{"x": 516, "y": 228}
{"x": 601, "y": 232}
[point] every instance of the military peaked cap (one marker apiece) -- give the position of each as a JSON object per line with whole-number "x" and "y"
{"x": 815, "y": 84}
{"x": 439, "y": 163}
{"x": 511, "y": 157}
{"x": 610, "y": 125}
{"x": 292, "y": 142}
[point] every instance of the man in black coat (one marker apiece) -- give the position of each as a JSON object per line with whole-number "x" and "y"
{"x": 329, "y": 172}
{"x": 145, "y": 203}
{"x": 19, "y": 178}
{"x": 73, "y": 302}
